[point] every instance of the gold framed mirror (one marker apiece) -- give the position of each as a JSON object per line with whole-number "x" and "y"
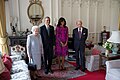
{"x": 35, "y": 12}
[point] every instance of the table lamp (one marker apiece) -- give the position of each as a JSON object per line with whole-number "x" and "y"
{"x": 115, "y": 40}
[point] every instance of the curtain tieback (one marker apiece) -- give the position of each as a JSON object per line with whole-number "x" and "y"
{"x": 3, "y": 40}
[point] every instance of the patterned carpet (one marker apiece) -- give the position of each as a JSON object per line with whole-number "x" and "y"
{"x": 61, "y": 75}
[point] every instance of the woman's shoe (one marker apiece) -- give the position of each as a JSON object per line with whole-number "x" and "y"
{"x": 60, "y": 67}
{"x": 37, "y": 75}
{"x": 35, "y": 79}
{"x": 63, "y": 68}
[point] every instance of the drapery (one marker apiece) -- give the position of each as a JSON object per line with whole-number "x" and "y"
{"x": 119, "y": 21}
{"x": 3, "y": 34}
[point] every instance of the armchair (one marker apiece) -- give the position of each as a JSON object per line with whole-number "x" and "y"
{"x": 92, "y": 62}
{"x": 113, "y": 70}
{"x": 92, "y": 58}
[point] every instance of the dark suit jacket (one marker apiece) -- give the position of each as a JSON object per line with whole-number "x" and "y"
{"x": 48, "y": 40}
{"x": 79, "y": 41}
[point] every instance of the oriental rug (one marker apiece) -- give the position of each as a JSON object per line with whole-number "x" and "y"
{"x": 66, "y": 74}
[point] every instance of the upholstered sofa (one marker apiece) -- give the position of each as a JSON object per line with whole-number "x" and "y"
{"x": 92, "y": 62}
{"x": 14, "y": 66}
{"x": 113, "y": 70}
{"x": 4, "y": 72}
{"x": 19, "y": 69}
{"x": 5, "y": 67}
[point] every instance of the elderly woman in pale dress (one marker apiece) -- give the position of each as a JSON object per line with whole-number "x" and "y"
{"x": 35, "y": 48}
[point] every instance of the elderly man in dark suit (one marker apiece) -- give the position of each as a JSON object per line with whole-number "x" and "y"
{"x": 47, "y": 34}
{"x": 79, "y": 36}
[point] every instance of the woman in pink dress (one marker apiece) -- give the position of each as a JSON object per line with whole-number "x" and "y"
{"x": 61, "y": 46}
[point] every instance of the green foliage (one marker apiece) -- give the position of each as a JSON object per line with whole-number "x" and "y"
{"x": 108, "y": 45}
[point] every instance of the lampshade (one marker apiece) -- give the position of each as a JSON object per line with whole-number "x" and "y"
{"x": 115, "y": 37}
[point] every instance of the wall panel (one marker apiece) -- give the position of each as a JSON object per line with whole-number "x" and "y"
{"x": 94, "y": 13}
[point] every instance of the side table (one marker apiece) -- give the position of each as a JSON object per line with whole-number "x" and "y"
{"x": 18, "y": 40}
{"x": 109, "y": 57}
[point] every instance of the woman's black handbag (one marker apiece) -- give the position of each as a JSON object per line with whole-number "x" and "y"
{"x": 31, "y": 65}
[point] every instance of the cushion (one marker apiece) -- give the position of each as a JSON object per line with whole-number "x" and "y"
{"x": 8, "y": 57}
{"x": 114, "y": 64}
{"x": 19, "y": 67}
{"x": 7, "y": 62}
{"x": 5, "y": 75}
{"x": 16, "y": 58}
{"x": 20, "y": 76}
{"x": 115, "y": 72}
{"x": 95, "y": 52}
{"x": 13, "y": 53}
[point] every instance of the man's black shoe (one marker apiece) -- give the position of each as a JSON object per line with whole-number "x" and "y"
{"x": 46, "y": 71}
{"x": 83, "y": 70}
{"x": 77, "y": 68}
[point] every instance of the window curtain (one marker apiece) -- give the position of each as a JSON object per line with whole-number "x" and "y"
{"x": 119, "y": 21}
{"x": 2, "y": 66}
{"x": 3, "y": 33}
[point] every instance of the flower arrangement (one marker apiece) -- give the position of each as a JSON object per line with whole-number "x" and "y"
{"x": 107, "y": 45}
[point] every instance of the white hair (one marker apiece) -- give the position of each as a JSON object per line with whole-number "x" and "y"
{"x": 33, "y": 28}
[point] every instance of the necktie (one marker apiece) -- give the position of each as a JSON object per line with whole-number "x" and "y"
{"x": 48, "y": 30}
{"x": 79, "y": 33}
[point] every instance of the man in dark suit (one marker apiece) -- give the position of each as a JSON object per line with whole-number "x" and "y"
{"x": 47, "y": 34}
{"x": 79, "y": 36}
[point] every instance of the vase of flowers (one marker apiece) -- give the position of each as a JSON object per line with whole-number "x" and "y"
{"x": 108, "y": 47}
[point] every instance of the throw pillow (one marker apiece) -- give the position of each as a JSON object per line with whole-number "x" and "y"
{"x": 7, "y": 62}
{"x": 5, "y": 75}
{"x": 95, "y": 52}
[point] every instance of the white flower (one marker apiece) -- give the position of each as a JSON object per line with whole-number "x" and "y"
{"x": 107, "y": 45}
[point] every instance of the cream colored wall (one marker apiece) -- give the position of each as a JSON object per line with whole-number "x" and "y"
{"x": 94, "y": 13}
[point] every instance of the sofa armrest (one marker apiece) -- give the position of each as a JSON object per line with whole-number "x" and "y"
{"x": 112, "y": 64}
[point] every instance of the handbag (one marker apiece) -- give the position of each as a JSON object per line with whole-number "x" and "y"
{"x": 31, "y": 65}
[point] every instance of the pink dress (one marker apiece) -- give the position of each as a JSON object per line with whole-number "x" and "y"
{"x": 61, "y": 36}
